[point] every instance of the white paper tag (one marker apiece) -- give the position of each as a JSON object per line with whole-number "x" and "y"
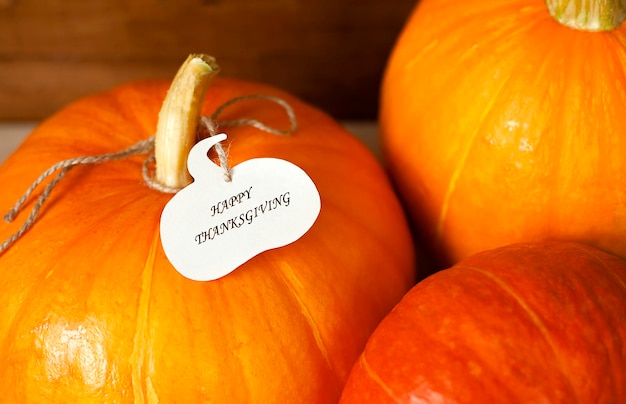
{"x": 211, "y": 227}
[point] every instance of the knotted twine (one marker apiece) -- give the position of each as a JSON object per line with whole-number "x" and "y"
{"x": 208, "y": 125}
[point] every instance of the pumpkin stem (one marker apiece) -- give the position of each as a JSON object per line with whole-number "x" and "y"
{"x": 178, "y": 119}
{"x": 588, "y": 15}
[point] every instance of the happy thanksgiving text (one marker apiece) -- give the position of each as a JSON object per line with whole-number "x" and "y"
{"x": 238, "y": 220}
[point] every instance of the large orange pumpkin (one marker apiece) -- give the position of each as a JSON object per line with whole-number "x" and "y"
{"x": 92, "y": 311}
{"x": 501, "y": 124}
{"x": 526, "y": 323}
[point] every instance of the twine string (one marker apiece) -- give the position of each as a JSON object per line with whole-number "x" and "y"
{"x": 211, "y": 128}
{"x": 65, "y": 165}
{"x": 207, "y": 125}
{"x": 253, "y": 122}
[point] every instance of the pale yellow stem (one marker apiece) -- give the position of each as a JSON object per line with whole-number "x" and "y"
{"x": 178, "y": 119}
{"x": 588, "y": 15}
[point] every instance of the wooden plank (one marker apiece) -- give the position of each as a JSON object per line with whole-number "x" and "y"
{"x": 329, "y": 52}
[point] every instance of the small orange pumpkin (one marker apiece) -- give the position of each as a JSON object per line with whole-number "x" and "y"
{"x": 501, "y": 122}
{"x": 92, "y": 311}
{"x": 527, "y": 323}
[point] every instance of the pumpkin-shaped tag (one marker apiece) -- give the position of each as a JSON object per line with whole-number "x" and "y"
{"x": 212, "y": 226}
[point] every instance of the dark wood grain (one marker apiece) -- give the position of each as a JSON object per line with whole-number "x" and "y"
{"x": 329, "y": 52}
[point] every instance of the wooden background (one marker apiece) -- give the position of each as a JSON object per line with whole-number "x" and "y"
{"x": 329, "y": 52}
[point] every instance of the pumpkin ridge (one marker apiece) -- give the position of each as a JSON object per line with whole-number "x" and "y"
{"x": 459, "y": 25}
{"x": 350, "y": 216}
{"x": 496, "y": 96}
{"x": 376, "y": 378}
{"x": 142, "y": 122}
{"x": 141, "y": 382}
{"x": 32, "y": 294}
{"x": 13, "y": 324}
{"x": 609, "y": 270}
{"x": 619, "y": 60}
{"x": 29, "y": 299}
{"x": 607, "y": 267}
{"x": 463, "y": 161}
{"x": 598, "y": 161}
{"x": 374, "y": 239}
{"x": 306, "y": 314}
{"x": 620, "y": 38}
{"x": 533, "y": 316}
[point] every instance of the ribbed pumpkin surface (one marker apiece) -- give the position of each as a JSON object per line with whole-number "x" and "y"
{"x": 92, "y": 311}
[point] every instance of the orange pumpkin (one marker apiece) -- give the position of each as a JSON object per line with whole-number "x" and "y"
{"x": 527, "y": 323}
{"x": 501, "y": 124}
{"x": 92, "y": 311}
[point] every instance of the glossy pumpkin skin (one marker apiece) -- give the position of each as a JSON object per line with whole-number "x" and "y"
{"x": 500, "y": 125}
{"x": 92, "y": 311}
{"x": 527, "y": 323}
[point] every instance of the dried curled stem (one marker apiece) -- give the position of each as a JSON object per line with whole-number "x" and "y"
{"x": 179, "y": 117}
